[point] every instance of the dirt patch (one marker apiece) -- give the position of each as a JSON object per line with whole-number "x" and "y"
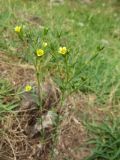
{"x": 12, "y": 70}
{"x": 20, "y": 140}
{"x": 72, "y": 141}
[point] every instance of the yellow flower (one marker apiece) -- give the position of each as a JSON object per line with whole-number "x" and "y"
{"x": 44, "y": 44}
{"x": 18, "y": 29}
{"x": 63, "y": 50}
{"x": 40, "y": 52}
{"x": 28, "y": 88}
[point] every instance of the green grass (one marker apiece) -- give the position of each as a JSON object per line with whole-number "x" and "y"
{"x": 106, "y": 140}
{"x": 8, "y": 102}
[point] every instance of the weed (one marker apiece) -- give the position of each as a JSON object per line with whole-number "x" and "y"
{"x": 77, "y": 44}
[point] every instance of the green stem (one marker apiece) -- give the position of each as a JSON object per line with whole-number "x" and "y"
{"x": 67, "y": 69}
{"x": 66, "y": 75}
{"x": 37, "y": 69}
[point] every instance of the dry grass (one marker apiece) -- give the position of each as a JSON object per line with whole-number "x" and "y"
{"x": 23, "y": 142}
{"x": 12, "y": 70}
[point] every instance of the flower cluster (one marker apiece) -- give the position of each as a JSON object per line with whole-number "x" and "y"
{"x": 39, "y": 52}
